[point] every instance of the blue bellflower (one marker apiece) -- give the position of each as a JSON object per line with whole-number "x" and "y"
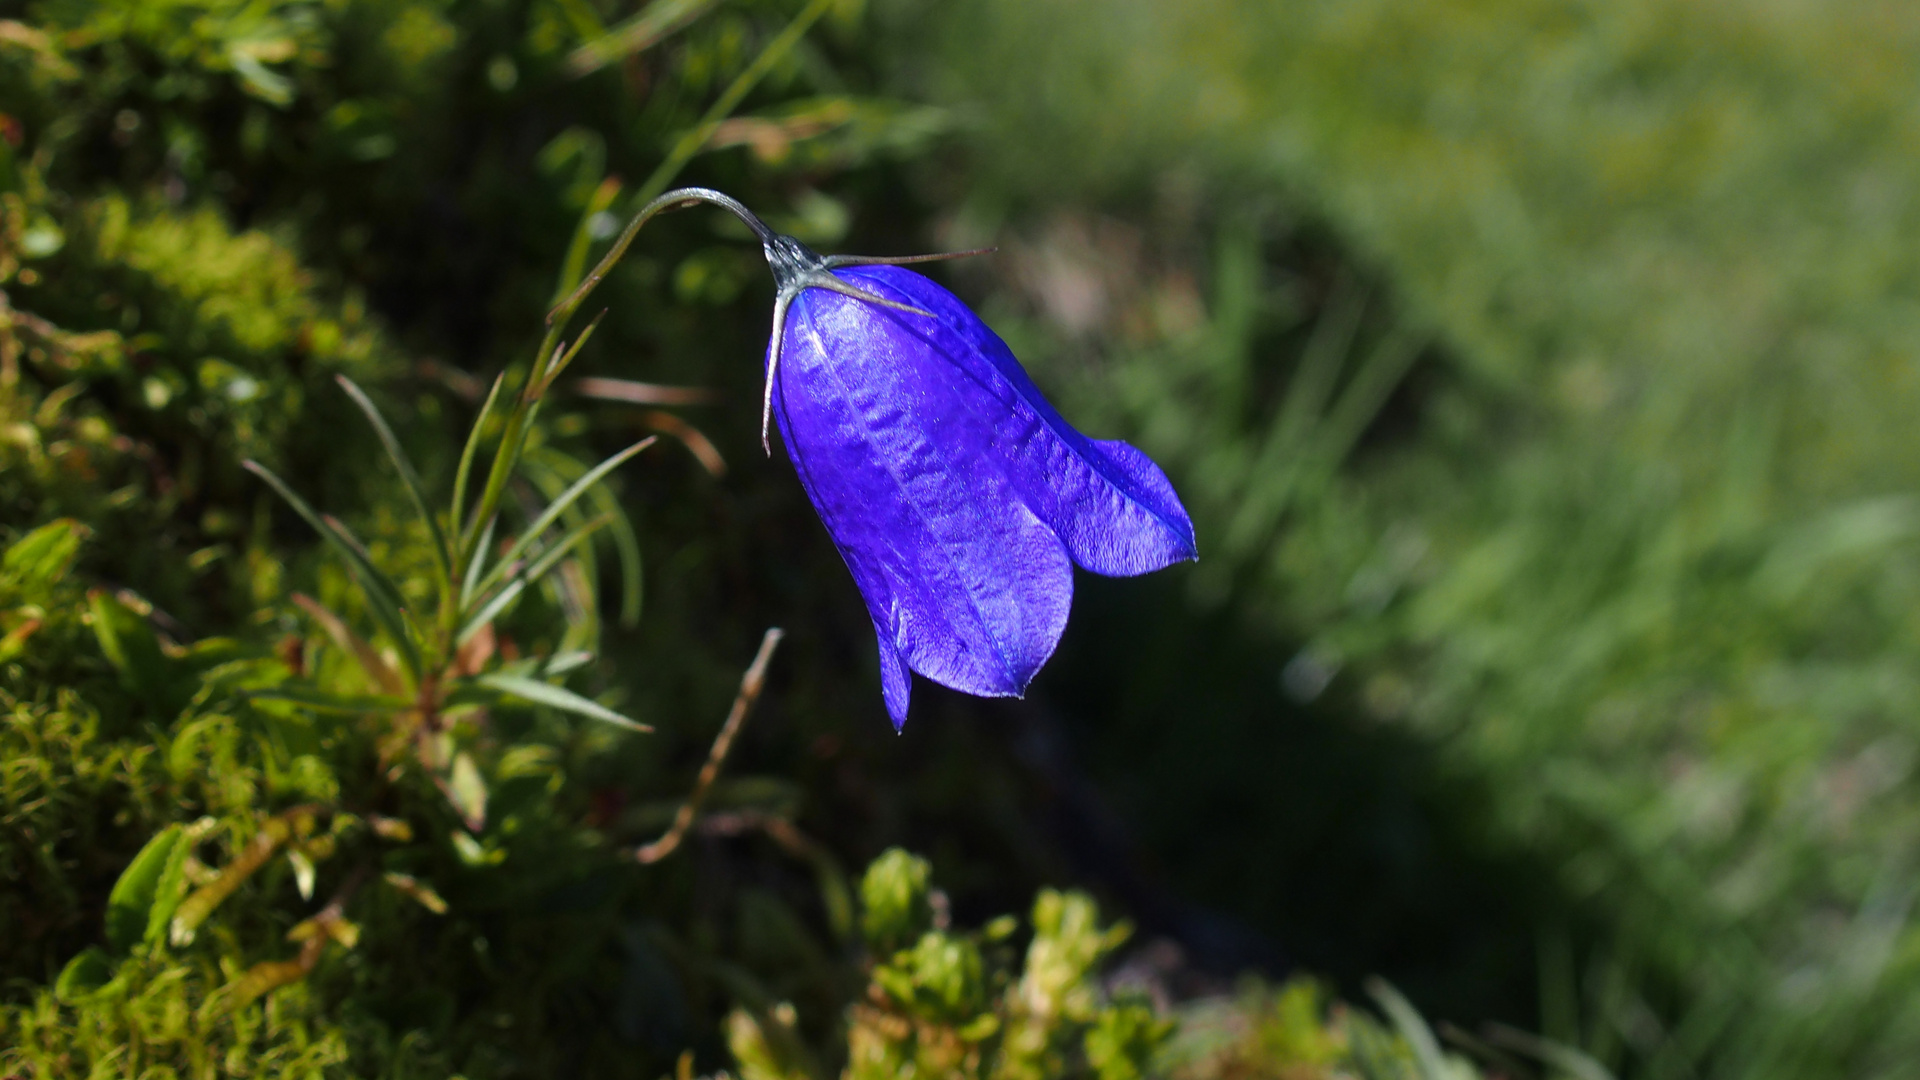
{"x": 960, "y": 500}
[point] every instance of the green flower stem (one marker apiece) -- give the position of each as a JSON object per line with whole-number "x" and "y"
{"x": 656, "y": 199}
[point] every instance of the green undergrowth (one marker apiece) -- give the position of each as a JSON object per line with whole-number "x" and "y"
{"x": 329, "y": 749}
{"x": 1546, "y": 378}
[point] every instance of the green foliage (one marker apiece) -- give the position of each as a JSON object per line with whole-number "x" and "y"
{"x": 954, "y": 1004}
{"x": 1632, "y": 542}
{"x": 350, "y": 829}
{"x": 894, "y": 901}
{"x": 277, "y": 807}
{"x": 150, "y": 1025}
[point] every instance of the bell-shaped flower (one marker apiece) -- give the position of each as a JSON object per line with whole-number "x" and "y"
{"x": 960, "y": 500}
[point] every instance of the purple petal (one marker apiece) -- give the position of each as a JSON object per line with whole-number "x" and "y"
{"x": 1108, "y": 501}
{"x": 954, "y": 492}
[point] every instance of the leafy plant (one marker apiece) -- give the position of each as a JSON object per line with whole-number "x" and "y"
{"x": 940, "y": 1002}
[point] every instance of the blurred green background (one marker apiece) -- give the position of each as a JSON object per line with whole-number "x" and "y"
{"x": 1541, "y": 376}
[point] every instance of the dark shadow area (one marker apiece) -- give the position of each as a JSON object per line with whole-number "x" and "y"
{"x": 1260, "y": 830}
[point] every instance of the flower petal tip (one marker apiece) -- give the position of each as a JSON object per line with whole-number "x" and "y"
{"x": 896, "y": 683}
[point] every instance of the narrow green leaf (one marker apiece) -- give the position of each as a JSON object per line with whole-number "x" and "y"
{"x": 697, "y": 137}
{"x": 463, "y": 475}
{"x": 564, "y": 547}
{"x": 1381, "y": 373}
{"x": 513, "y": 443}
{"x": 501, "y": 600}
{"x": 1427, "y": 1056}
{"x": 562, "y": 662}
{"x": 590, "y": 153}
{"x": 653, "y": 22}
{"x": 443, "y": 555}
{"x": 43, "y": 556}
{"x": 557, "y": 697}
{"x": 556, "y": 508}
{"x": 477, "y": 564}
{"x": 626, "y": 544}
{"x": 552, "y": 473}
{"x": 1564, "y": 1059}
{"x": 560, "y": 363}
{"x": 382, "y": 594}
{"x": 321, "y": 701}
{"x": 1301, "y": 411}
{"x": 130, "y": 904}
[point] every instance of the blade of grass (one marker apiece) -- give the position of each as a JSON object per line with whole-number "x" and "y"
{"x": 376, "y": 667}
{"x": 526, "y": 575}
{"x": 1413, "y": 1028}
{"x": 560, "y": 364}
{"x": 564, "y": 547}
{"x": 626, "y": 546}
{"x": 576, "y": 588}
{"x": 1559, "y": 1056}
{"x": 477, "y": 565}
{"x": 626, "y": 543}
{"x": 1379, "y": 375}
{"x": 1300, "y": 414}
{"x": 383, "y": 596}
{"x": 555, "y": 509}
{"x": 490, "y": 611}
{"x": 653, "y": 22}
{"x": 700, "y": 134}
{"x": 417, "y": 491}
{"x": 467, "y": 454}
{"x": 558, "y": 697}
{"x": 321, "y": 701}
{"x": 512, "y": 444}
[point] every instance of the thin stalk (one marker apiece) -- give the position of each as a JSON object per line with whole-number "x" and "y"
{"x": 750, "y": 687}
{"x": 655, "y": 197}
{"x": 672, "y": 200}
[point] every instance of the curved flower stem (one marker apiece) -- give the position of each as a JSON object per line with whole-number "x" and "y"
{"x": 750, "y": 686}
{"x": 545, "y": 361}
{"x": 672, "y": 200}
